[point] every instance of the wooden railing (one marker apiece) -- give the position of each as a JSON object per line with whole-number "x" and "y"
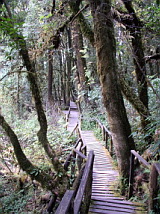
{"x": 134, "y": 155}
{"x": 76, "y": 131}
{"x": 153, "y": 179}
{"x": 67, "y": 115}
{"x": 106, "y": 136}
{"x": 77, "y": 155}
{"x": 77, "y": 200}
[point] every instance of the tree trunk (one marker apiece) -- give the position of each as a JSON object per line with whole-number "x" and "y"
{"x": 50, "y": 78}
{"x": 132, "y": 97}
{"x": 18, "y": 95}
{"x": 84, "y": 25}
{"x": 35, "y": 173}
{"x": 68, "y": 68}
{"x": 42, "y": 133}
{"x": 80, "y": 61}
{"x": 138, "y": 56}
{"x": 134, "y": 25}
{"x": 112, "y": 97}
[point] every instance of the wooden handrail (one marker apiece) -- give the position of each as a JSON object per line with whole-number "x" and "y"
{"x": 78, "y": 153}
{"x": 65, "y": 205}
{"x": 68, "y": 113}
{"x": 132, "y": 169}
{"x": 102, "y": 126}
{"x": 85, "y": 187}
{"x": 75, "y": 128}
{"x": 153, "y": 179}
{"x": 142, "y": 160}
{"x": 106, "y": 134}
{"x": 78, "y": 200}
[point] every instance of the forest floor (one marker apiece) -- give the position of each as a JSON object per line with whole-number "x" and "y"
{"x": 20, "y": 195}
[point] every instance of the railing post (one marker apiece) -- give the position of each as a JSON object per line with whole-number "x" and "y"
{"x": 79, "y": 158}
{"x": 85, "y": 150}
{"x": 103, "y": 133}
{"x": 131, "y": 174}
{"x": 153, "y": 187}
{"x": 111, "y": 147}
{"x": 73, "y": 165}
{"x": 106, "y": 139}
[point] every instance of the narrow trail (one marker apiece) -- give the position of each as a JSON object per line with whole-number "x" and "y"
{"x": 105, "y": 198}
{"x": 73, "y": 117}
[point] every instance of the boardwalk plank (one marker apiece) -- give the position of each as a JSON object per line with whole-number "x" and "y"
{"x": 105, "y": 198}
{"x": 105, "y": 177}
{"x": 120, "y": 205}
{"x": 111, "y": 208}
{"x": 93, "y": 210}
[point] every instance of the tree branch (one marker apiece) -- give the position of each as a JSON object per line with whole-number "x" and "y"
{"x": 155, "y": 56}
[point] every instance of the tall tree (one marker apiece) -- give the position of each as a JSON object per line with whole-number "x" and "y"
{"x": 50, "y": 77}
{"x": 80, "y": 60}
{"x": 8, "y": 28}
{"x": 134, "y": 26}
{"x": 107, "y": 69}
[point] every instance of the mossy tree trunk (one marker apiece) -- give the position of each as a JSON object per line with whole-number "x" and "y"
{"x": 42, "y": 133}
{"x": 84, "y": 25}
{"x": 134, "y": 26}
{"x": 69, "y": 59}
{"x": 47, "y": 181}
{"x": 80, "y": 60}
{"x": 50, "y": 78}
{"x": 20, "y": 43}
{"x": 112, "y": 97}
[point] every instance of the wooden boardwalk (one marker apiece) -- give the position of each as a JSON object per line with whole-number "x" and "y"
{"x": 73, "y": 117}
{"x": 105, "y": 196}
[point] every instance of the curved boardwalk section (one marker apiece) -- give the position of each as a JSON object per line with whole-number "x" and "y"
{"x": 105, "y": 198}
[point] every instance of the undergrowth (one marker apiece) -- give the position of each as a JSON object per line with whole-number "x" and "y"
{"x": 18, "y": 194}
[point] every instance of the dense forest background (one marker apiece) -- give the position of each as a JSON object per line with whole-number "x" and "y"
{"x": 103, "y": 55}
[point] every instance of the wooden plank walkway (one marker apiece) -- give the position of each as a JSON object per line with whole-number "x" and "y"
{"x": 73, "y": 117}
{"x": 105, "y": 197}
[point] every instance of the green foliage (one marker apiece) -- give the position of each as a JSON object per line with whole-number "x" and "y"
{"x": 152, "y": 17}
{"x": 14, "y": 203}
{"x": 98, "y": 133}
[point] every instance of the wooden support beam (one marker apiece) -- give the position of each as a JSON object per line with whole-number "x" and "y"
{"x": 66, "y": 203}
{"x": 142, "y": 160}
{"x": 131, "y": 174}
{"x": 80, "y": 153}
